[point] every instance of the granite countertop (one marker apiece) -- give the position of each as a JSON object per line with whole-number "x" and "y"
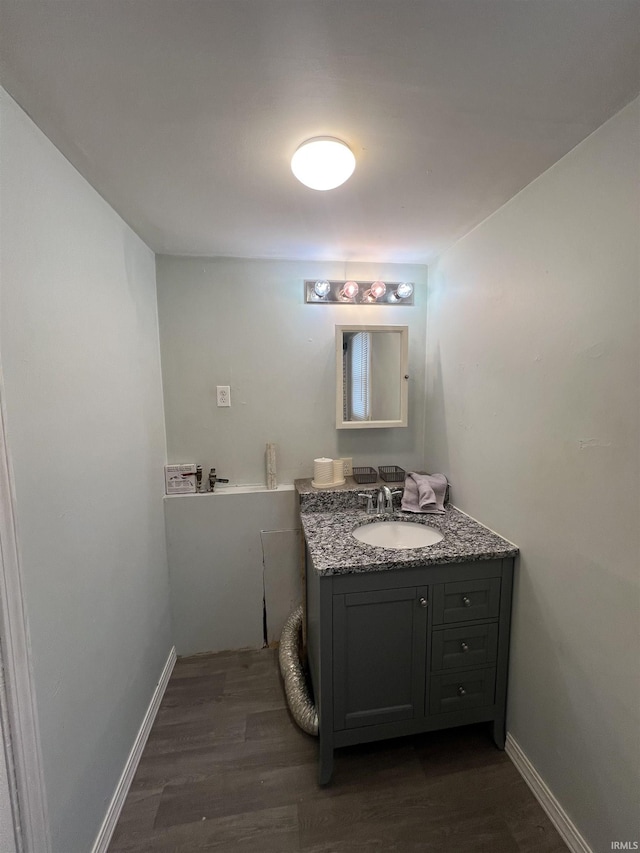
{"x": 304, "y": 486}
{"x": 335, "y": 551}
{"x": 344, "y": 496}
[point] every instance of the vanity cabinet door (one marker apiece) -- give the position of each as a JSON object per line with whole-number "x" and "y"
{"x": 379, "y": 655}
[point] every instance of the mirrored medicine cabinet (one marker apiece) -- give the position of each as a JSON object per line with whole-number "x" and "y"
{"x": 372, "y": 376}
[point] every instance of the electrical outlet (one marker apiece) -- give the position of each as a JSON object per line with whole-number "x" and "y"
{"x": 348, "y": 466}
{"x": 223, "y": 395}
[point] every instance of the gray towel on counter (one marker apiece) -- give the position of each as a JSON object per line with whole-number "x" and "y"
{"x": 424, "y": 493}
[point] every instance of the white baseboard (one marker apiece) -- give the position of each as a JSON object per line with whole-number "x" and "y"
{"x": 122, "y": 789}
{"x": 556, "y": 814}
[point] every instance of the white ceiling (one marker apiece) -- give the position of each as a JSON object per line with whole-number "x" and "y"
{"x": 184, "y": 113}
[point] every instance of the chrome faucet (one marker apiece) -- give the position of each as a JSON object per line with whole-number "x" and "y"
{"x": 385, "y": 499}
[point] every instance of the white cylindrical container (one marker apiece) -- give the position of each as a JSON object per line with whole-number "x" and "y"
{"x": 323, "y": 470}
{"x": 338, "y": 471}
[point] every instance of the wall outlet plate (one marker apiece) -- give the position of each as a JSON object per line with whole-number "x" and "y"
{"x": 223, "y": 395}
{"x": 348, "y": 466}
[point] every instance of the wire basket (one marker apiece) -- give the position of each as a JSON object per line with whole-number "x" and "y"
{"x": 392, "y": 473}
{"x": 365, "y": 474}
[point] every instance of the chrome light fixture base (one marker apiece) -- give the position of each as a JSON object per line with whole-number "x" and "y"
{"x": 350, "y": 292}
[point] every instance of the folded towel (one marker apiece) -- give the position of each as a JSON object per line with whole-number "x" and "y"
{"x": 424, "y": 493}
{"x": 410, "y": 501}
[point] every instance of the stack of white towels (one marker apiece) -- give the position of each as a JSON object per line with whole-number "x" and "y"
{"x": 424, "y": 493}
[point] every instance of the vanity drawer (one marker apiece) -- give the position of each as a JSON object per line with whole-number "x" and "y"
{"x": 455, "y": 691}
{"x": 474, "y": 645}
{"x": 466, "y": 601}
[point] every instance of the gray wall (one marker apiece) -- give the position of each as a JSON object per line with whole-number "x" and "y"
{"x": 244, "y": 323}
{"x": 533, "y": 409}
{"x": 80, "y": 358}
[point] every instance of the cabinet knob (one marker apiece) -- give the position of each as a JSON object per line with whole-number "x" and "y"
{"x": 461, "y": 691}
{"x": 464, "y": 647}
{"x": 466, "y": 601}
{"x": 423, "y": 602}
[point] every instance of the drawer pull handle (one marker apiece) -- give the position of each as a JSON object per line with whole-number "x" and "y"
{"x": 423, "y": 602}
{"x": 464, "y": 647}
{"x": 466, "y": 601}
{"x": 461, "y": 691}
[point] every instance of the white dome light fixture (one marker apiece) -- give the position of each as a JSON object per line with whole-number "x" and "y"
{"x": 323, "y": 163}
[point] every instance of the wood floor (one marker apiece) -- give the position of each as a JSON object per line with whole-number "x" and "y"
{"x": 226, "y": 769}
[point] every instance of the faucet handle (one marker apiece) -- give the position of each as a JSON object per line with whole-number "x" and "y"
{"x": 394, "y": 492}
{"x": 213, "y": 479}
{"x": 369, "y": 500}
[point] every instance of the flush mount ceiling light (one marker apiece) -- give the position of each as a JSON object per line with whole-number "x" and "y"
{"x": 323, "y": 163}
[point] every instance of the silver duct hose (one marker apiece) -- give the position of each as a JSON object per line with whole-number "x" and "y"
{"x": 295, "y": 683}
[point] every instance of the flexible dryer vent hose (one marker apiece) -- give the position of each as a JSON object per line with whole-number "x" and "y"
{"x": 295, "y": 683}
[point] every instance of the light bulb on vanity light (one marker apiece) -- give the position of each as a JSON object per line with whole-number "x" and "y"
{"x": 349, "y": 290}
{"x": 402, "y": 291}
{"x": 322, "y": 288}
{"x": 375, "y": 292}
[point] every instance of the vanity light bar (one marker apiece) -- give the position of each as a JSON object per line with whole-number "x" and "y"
{"x": 350, "y": 292}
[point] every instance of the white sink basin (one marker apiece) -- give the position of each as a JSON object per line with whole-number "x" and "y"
{"x": 397, "y": 534}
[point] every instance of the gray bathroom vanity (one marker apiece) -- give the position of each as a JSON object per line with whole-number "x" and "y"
{"x": 403, "y": 641}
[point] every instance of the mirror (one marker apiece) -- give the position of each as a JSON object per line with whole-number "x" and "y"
{"x": 371, "y": 376}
